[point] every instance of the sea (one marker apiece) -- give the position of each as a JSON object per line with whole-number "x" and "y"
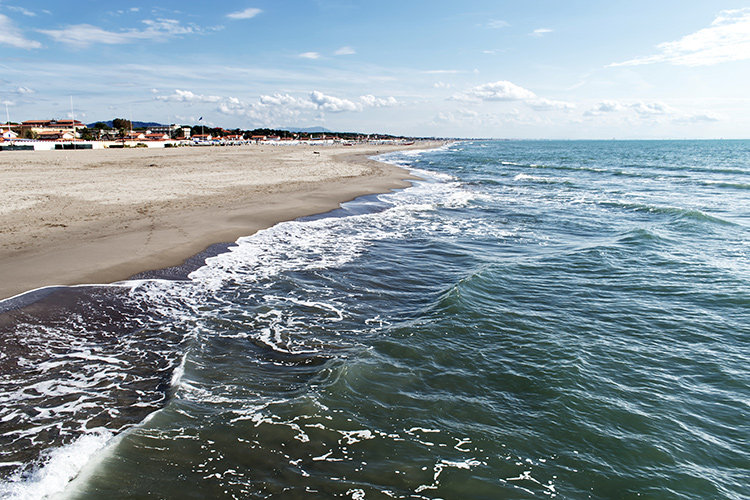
{"x": 532, "y": 319}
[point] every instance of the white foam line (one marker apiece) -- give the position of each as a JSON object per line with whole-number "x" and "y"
{"x": 63, "y": 466}
{"x": 29, "y": 297}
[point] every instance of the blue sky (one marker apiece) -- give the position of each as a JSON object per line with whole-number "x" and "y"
{"x": 536, "y": 69}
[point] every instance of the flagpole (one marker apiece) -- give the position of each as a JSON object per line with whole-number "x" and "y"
{"x": 7, "y": 116}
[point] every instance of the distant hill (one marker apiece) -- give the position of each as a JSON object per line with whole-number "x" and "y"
{"x": 309, "y": 130}
{"x": 135, "y": 124}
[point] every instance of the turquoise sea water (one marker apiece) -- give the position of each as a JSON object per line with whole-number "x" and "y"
{"x": 534, "y": 319}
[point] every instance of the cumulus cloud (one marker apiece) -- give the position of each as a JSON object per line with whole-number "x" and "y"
{"x": 496, "y": 91}
{"x": 244, "y": 14}
{"x": 310, "y": 55}
{"x": 704, "y": 117}
{"x": 662, "y": 110}
{"x": 280, "y": 108}
{"x": 189, "y": 97}
{"x": 441, "y": 85}
{"x": 606, "y": 106}
{"x": 345, "y": 51}
{"x": 652, "y": 108}
{"x": 286, "y": 100}
{"x": 11, "y": 36}
{"x": 24, "y": 90}
{"x": 727, "y": 39}
{"x": 653, "y": 111}
{"x": 84, "y": 35}
{"x": 509, "y": 92}
{"x": 376, "y": 102}
{"x": 547, "y": 104}
{"x": 333, "y": 104}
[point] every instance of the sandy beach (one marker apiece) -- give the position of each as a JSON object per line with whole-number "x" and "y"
{"x": 100, "y": 216}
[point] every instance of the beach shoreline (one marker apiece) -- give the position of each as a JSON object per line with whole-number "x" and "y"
{"x": 102, "y": 216}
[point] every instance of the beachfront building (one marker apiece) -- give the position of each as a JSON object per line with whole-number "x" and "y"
{"x": 169, "y": 130}
{"x": 201, "y": 137}
{"x": 134, "y": 136}
{"x": 37, "y": 128}
{"x": 56, "y": 136}
{"x": 158, "y": 136}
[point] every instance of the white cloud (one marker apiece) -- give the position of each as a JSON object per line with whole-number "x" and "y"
{"x": 496, "y": 91}
{"x": 169, "y": 27}
{"x": 661, "y": 110}
{"x": 727, "y": 39}
{"x": 495, "y": 24}
{"x": 280, "y": 109}
{"x": 345, "y": 51}
{"x": 245, "y": 14}
{"x": 24, "y": 90}
{"x": 509, "y": 92}
{"x": 13, "y": 37}
{"x": 319, "y": 101}
{"x": 541, "y": 31}
{"x": 704, "y": 117}
{"x": 653, "y": 111}
{"x": 310, "y": 55}
{"x": 652, "y": 108}
{"x": 84, "y": 35}
{"x": 606, "y": 106}
{"x": 468, "y": 113}
{"x": 286, "y": 100}
{"x": 541, "y": 104}
{"x": 189, "y": 97}
{"x": 21, "y": 10}
{"x": 441, "y": 85}
{"x": 376, "y": 102}
{"x": 333, "y": 104}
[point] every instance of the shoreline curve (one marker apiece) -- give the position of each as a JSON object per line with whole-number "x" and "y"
{"x": 103, "y": 216}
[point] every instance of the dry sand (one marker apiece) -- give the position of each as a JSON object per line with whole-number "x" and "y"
{"x": 99, "y": 216}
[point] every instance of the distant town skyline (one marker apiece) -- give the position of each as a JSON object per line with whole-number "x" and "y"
{"x": 543, "y": 69}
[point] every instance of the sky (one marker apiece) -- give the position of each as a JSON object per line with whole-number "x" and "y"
{"x": 536, "y": 69}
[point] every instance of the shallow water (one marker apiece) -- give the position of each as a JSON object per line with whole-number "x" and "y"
{"x": 534, "y": 319}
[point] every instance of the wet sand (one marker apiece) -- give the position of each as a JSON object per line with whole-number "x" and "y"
{"x": 100, "y": 216}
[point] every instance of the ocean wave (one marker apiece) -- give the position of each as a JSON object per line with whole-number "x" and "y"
{"x": 728, "y": 185}
{"x": 57, "y": 468}
{"x": 676, "y": 213}
{"x": 80, "y": 358}
{"x": 537, "y": 178}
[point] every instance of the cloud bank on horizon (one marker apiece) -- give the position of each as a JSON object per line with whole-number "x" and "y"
{"x": 496, "y": 69}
